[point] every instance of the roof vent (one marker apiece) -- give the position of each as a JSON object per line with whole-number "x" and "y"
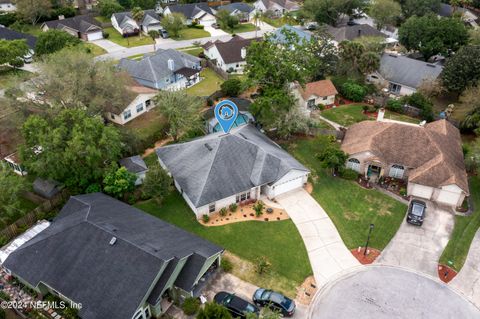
{"x": 431, "y": 65}
{"x": 171, "y": 65}
{"x": 208, "y": 147}
{"x": 113, "y": 241}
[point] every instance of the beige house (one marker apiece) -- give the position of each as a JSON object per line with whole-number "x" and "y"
{"x": 429, "y": 157}
{"x": 317, "y": 93}
{"x": 140, "y": 102}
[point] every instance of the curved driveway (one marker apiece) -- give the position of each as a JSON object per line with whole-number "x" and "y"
{"x": 384, "y": 292}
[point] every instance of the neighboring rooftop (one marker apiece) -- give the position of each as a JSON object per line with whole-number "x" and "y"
{"x": 446, "y": 10}
{"x": 231, "y": 50}
{"x": 433, "y": 152}
{"x": 237, "y": 6}
{"x": 406, "y": 71}
{"x": 46, "y": 188}
{"x": 287, "y": 4}
{"x": 134, "y": 164}
{"x": 190, "y": 10}
{"x": 351, "y": 32}
{"x": 9, "y": 34}
{"x": 320, "y": 88}
{"x": 220, "y": 165}
{"x": 81, "y": 23}
{"x": 107, "y": 248}
{"x": 303, "y": 35}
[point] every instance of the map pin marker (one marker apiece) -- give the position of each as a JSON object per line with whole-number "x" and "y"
{"x": 226, "y": 113}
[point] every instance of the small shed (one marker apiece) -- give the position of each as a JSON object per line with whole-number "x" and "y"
{"x": 46, "y": 188}
{"x": 136, "y": 165}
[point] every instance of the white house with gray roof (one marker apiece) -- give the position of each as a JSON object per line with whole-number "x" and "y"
{"x": 200, "y": 13}
{"x": 124, "y": 23}
{"x": 136, "y": 165}
{"x": 402, "y": 75}
{"x": 164, "y": 70}
{"x": 219, "y": 169}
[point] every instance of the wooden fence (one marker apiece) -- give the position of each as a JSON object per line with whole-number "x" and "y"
{"x": 31, "y": 218}
{"x": 224, "y": 75}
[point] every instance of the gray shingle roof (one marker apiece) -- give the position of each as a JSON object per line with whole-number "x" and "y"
{"x": 351, "y": 32}
{"x": 150, "y": 17}
{"x": 190, "y": 10}
{"x": 46, "y": 188}
{"x": 75, "y": 257}
{"x": 154, "y": 67}
{"x": 231, "y": 50}
{"x": 446, "y": 10}
{"x": 8, "y": 34}
{"x": 82, "y": 23}
{"x": 279, "y": 35}
{"x": 134, "y": 164}
{"x": 240, "y": 6}
{"x": 220, "y": 165}
{"x": 406, "y": 71}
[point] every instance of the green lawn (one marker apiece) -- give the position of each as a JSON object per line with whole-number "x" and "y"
{"x": 464, "y": 231}
{"x": 192, "y": 33}
{"x": 10, "y": 77}
{"x": 102, "y": 19}
{"x": 347, "y": 115}
{"x": 208, "y": 85}
{"x": 129, "y": 42}
{"x": 279, "y": 22}
{"x": 351, "y": 207}
{"x": 136, "y": 56}
{"x": 195, "y": 51}
{"x": 279, "y": 241}
{"x": 94, "y": 49}
{"x": 242, "y": 27}
{"x": 30, "y": 29}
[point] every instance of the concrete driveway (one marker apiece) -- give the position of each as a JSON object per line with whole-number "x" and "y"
{"x": 386, "y": 292}
{"x": 215, "y": 32}
{"x": 108, "y": 45}
{"x": 326, "y": 250}
{"x": 468, "y": 280}
{"x": 420, "y": 248}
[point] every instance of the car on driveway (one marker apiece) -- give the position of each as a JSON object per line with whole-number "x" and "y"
{"x": 275, "y": 301}
{"x": 235, "y": 305}
{"x": 215, "y": 26}
{"x": 416, "y": 212}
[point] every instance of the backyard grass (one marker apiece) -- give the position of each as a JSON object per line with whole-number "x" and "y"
{"x": 9, "y": 77}
{"x": 242, "y": 27}
{"x": 94, "y": 49}
{"x": 351, "y": 207}
{"x": 129, "y": 42}
{"x": 34, "y": 30}
{"x": 347, "y": 115}
{"x": 464, "y": 231}
{"x": 102, "y": 19}
{"x": 210, "y": 83}
{"x": 279, "y": 22}
{"x": 195, "y": 51}
{"x": 148, "y": 126}
{"x": 279, "y": 241}
{"x": 192, "y": 33}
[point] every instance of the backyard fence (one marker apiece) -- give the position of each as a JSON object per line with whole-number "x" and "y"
{"x": 21, "y": 224}
{"x": 224, "y": 75}
{"x": 319, "y": 131}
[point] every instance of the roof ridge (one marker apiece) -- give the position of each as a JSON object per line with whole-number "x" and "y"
{"x": 209, "y": 170}
{"x": 151, "y": 68}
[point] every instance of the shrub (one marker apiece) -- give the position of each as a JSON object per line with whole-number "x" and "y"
{"x": 365, "y": 108}
{"x": 205, "y": 218}
{"x": 17, "y": 63}
{"x": 214, "y": 310}
{"x": 223, "y": 211}
{"x": 348, "y": 174}
{"x": 423, "y": 103}
{"x": 403, "y": 191}
{"x": 197, "y": 26}
{"x": 233, "y": 207}
{"x": 321, "y": 107}
{"x": 105, "y": 34}
{"x": 231, "y": 87}
{"x": 93, "y": 188}
{"x": 258, "y": 208}
{"x": 226, "y": 264}
{"x": 262, "y": 265}
{"x": 395, "y": 105}
{"x": 353, "y": 91}
{"x": 191, "y": 306}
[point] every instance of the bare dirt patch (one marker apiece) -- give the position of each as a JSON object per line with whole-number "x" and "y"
{"x": 306, "y": 291}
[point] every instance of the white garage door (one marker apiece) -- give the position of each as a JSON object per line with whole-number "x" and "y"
{"x": 94, "y": 36}
{"x": 207, "y": 22}
{"x": 421, "y": 191}
{"x": 448, "y": 197}
{"x": 287, "y": 186}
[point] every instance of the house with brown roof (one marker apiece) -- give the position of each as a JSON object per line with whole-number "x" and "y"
{"x": 230, "y": 55}
{"x": 428, "y": 157}
{"x": 317, "y": 93}
{"x": 84, "y": 27}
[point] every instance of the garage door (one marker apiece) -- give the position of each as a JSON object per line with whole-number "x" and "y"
{"x": 448, "y": 197}
{"x": 421, "y": 191}
{"x": 287, "y": 186}
{"x": 94, "y": 36}
{"x": 207, "y": 22}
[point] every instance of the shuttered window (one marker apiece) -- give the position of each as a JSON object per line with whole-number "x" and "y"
{"x": 397, "y": 171}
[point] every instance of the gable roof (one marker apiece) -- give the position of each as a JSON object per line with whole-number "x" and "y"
{"x": 320, "y": 88}
{"x": 150, "y": 17}
{"x": 237, "y": 6}
{"x": 231, "y": 50}
{"x": 9, "y": 34}
{"x": 434, "y": 152}
{"x": 82, "y": 24}
{"x": 154, "y": 67}
{"x": 134, "y": 164}
{"x": 221, "y": 165}
{"x": 279, "y": 35}
{"x": 76, "y": 251}
{"x": 446, "y": 10}
{"x": 351, "y": 32}
{"x": 190, "y": 10}
{"x": 406, "y": 71}
{"x": 287, "y": 4}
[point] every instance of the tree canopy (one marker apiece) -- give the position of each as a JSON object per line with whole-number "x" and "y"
{"x": 54, "y": 40}
{"x": 173, "y": 23}
{"x": 157, "y": 183}
{"x": 328, "y": 11}
{"x": 33, "y": 10}
{"x": 118, "y": 181}
{"x": 462, "y": 69}
{"x": 419, "y": 7}
{"x": 72, "y": 147}
{"x": 226, "y": 20}
{"x": 384, "y": 12}
{"x": 12, "y": 186}
{"x": 431, "y": 35}
{"x": 12, "y": 50}
{"x": 109, "y": 7}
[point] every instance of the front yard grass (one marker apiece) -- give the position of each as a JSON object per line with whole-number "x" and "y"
{"x": 351, "y": 207}
{"x": 129, "y": 42}
{"x": 192, "y": 33}
{"x": 279, "y": 22}
{"x": 195, "y": 51}
{"x": 10, "y": 77}
{"x": 211, "y": 82}
{"x": 242, "y": 27}
{"x": 93, "y": 49}
{"x": 464, "y": 231}
{"x": 349, "y": 114}
{"x": 279, "y": 241}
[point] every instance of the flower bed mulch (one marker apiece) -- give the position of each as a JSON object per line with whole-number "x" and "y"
{"x": 369, "y": 258}
{"x": 445, "y": 273}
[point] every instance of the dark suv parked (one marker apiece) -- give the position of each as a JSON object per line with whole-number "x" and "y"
{"x": 275, "y": 301}
{"x": 416, "y": 212}
{"x": 235, "y": 305}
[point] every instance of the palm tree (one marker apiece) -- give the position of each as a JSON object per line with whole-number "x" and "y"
{"x": 137, "y": 15}
{"x": 368, "y": 62}
{"x": 154, "y": 34}
{"x": 257, "y": 17}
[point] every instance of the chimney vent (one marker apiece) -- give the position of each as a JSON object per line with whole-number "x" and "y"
{"x": 61, "y": 17}
{"x": 171, "y": 65}
{"x": 113, "y": 241}
{"x": 243, "y": 53}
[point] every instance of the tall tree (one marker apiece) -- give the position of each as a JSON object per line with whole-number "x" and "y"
{"x": 463, "y": 69}
{"x": 109, "y": 7}
{"x": 431, "y": 35}
{"x": 384, "y": 12}
{"x": 419, "y": 7}
{"x": 173, "y": 23}
{"x": 33, "y": 10}
{"x": 157, "y": 183}
{"x": 12, "y": 186}
{"x": 137, "y": 15}
{"x": 53, "y": 41}
{"x": 470, "y": 99}
{"x": 118, "y": 181}
{"x": 257, "y": 19}
{"x": 226, "y": 20}
{"x": 328, "y": 11}
{"x": 182, "y": 111}
{"x": 368, "y": 63}
{"x": 73, "y": 79}
{"x": 12, "y": 50}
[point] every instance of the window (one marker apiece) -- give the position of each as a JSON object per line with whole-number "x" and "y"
{"x": 325, "y": 98}
{"x": 148, "y": 103}
{"x": 211, "y": 208}
{"x": 147, "y": 313}
{"x": 139, "y": 108}
{"x": 112, "y": 116}
{"x": 354, "y": 164}
{"x": 311, "y": 103}
{"x": 242, "y": 197}
{"x": 394, "y": 88}
{"x": 127, "y": 114}
{"x": 397, "y": 171}
{"x": 138, "y": 314}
